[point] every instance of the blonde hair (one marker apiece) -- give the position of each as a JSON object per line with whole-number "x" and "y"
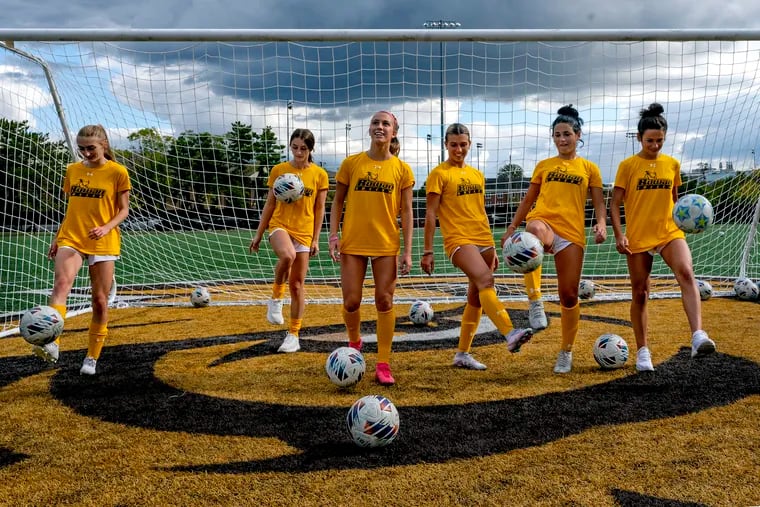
{"x": 98, "y": 132}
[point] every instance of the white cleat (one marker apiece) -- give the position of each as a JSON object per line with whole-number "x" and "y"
{"x": 465, "y": 360}
{"x": 274, "y": 312}
{"x": 48, "y": 352}
{"x": 701, "y": 344}
{"x": 537, "y": 316}
{"x": 564, "y": 362}
{"x": 88, "y": 366}
{"x": 290, "y": 344}
{"x": 644, "y": 360}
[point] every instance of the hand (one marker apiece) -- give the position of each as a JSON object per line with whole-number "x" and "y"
{"x": 427, "y": 263}
{"x": 52, "y": 251}
{"x": 314, "y": 250}
{"x": 335, "y": 248}
{"x": 600, "y": 233}
{"x": 255, "y": 242}
{"x": 621, "y": 244}
{"x": 405, "y": 264}
{"x": 510, "y": 231}
{"x": 98, "y": 232}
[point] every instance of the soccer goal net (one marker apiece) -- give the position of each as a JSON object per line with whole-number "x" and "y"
{"x": 199, "y": 123}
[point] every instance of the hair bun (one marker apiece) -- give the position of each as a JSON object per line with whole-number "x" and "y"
{"x": 569, "y": 110}
{"x": 654, "y": 109}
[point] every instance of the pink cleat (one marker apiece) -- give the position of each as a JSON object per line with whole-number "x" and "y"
{"x": 383, "y": 375}
{"x": 356, "y": 345}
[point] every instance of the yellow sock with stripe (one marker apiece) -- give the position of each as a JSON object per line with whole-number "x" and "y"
{"x": 533, "y": 284}
{"x": 495, "y": 310}
{"x": 295, "y": 326}
{"x": 62, "y": 310}
{"x": 353, "y": 322}
{"x": 96, "y": 338}
{"x": 386, "y": 325}
{"x": 470, "y": 321}
{"x": 278, "y": 290}
{"x": 570, "y": 318}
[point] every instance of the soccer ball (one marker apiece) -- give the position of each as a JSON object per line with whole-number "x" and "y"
{"x": 372, "y": 421}
{"x": 41, "y": 325}
{"x": 610, "y": 351}
{"x": 345, "y": 366}
{"x": 523, "y": 252}
{"x": 288, "y": 188}
{"x": 586, "y": 289}
{"x": 693, "y": 213}
{"x": 745, "y": 289}
{"x": 705, "y": 290}
{"x": 200, "y": 297}
{"x": 421, "y": 312}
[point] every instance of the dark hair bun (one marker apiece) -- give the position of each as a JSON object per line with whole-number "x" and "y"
{"x": 568, "y": 110}
{"x": 654, "y": 109}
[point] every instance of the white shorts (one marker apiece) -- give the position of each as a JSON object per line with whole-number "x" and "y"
{"x": 93, "y": 259}
{"x": 299, "y": 248}
{"x": 481, "y": 249}
{"x": 559, "y": 244}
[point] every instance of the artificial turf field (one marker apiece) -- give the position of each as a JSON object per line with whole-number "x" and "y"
{"x": 195, "y": 407}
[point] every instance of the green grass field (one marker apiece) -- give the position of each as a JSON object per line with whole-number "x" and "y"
{"x": 181, "y": 258}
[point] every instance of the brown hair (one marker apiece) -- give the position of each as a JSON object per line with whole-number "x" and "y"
{"x": 307, "y": 136}
{"x": 98, "y": 132}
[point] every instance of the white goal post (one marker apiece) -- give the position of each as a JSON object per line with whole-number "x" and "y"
{"x": 200, "y": 116}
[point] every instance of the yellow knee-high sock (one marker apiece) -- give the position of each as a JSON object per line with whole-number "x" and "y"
{"x": 295, "y": 326}
{"x": 62, "y": 310}
{"x": 533, "y": 284}
{"x": 386, "y": 325}
{"x": 97, "y": 337}
{"x": 495, "y": 310}
{"x": 570, "y": 319}
{"x": 278, "y": 290}
{"x": 470, "y": 322}
{"x": 353, "y": 322}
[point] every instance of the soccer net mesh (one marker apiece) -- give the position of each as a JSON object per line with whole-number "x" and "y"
{"x": 200, "y": 123}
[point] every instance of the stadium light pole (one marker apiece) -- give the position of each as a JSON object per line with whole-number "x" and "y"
{"x": 442, "y": 24}
{"x": 287, "y": 125}
{"x": 632, "y": 137}
{"x": 478, "y": 146}
{"x": 348, "y": 130}
{"x": 429, "y": 147}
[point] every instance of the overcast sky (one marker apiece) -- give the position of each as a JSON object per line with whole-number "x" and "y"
{"x": 501, "y": 14}
{"x": 497, "y": 114}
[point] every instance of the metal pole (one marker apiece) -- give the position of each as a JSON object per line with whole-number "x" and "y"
{"x": 348, "y": 130}
{"x": 442, "y": 24}
{"x": 478, "y": 146}
{"x": 287, "y": 125}
{"x": 429, "y": 142}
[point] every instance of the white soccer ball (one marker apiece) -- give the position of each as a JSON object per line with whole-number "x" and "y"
{"x": 523, "y": 252}
{"x": 586, "y": 289}
{"x": 745, "y": 289}
{"x": 200, "y": 297}
{"x": 345, "y": 366}
{"x": 372, "y": 421}
{"x": 41, "y": 325}
{"x": 610, "y": 351}
{"x": 705, "y": 289}
{"x": 288, "y": 188}
{"x": 693, "y": 213}
{"x": 420, "y": 312}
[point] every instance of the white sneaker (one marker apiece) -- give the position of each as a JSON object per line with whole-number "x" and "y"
{"x": 274, "y": 312}
{"x": 644, "y": 360}
{"x": 701, "y": 344}
{"x": 536, "y": 315}
{"x": 517, "y": 337}
{"x": 48, "y": 352}
{"x": 465, "y": 360}
{"x": 564, "y": 362}
{"x": 290, "y": 344}
{"x": 88, "y": 366}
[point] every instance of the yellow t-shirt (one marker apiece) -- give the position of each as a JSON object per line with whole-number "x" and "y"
{"x": 561, "y": 201}
{"x": 297, "y": 218}
{"x": 648, "y": 204}
{"x": 373, "y": 204}
{"x": 92, "y": 201}
{"x": 461, "y": 212}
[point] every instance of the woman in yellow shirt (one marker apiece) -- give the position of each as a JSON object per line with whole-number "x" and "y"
{"x": 456, "y": 199}
{"x": 559, "y": 188}
{"x": 98, "y": 201}
{"x": 294, "y": 230}
{"x": 376, "y": 187}
{"x": 648, "y": 185}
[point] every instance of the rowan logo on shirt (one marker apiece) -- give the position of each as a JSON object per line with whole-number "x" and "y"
{"x": 82, "y": 189}
{"x": 466, "y": 188}
{"x": 650, "y": 181}
{"x": 560, "y": 175}
{"x": 308, "y": 192}
{"x": 370, "y": 183}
